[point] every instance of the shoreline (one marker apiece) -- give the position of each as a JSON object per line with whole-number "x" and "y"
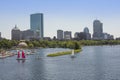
{"x": 6, "y": 54}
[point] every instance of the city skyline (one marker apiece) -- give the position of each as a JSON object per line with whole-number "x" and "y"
{"x": 68, "y": 15}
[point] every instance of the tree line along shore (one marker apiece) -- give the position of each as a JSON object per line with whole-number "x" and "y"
{"x": 71, "y": 44}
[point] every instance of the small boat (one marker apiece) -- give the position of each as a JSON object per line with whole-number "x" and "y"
{"x": 28, "y": 52}
{"x": 21, "y": 58}
{"x": 72, "y": 55}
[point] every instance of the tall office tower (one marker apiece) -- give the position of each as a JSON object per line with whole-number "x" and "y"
{"x": 60, "y": 34}
{"x": 88, "y": 35}
{"x": 36, "y": 24}
{"x": 67, "y": 35}
{"x": 97, "y": 30}
{"x": 16, "y": 33}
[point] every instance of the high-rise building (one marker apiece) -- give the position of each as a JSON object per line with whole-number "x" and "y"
{"x": 27, "y": 35}
{"x": 0, "y": 34}
{"x": 60, "y": 34}
{"x": 86, "y": 30}
{"x": 16, "y": 33}
{"x": 36, "y": 24}
{"x": 108, "y": 36}
{"x": 88, "y": 35}
{"x": 97, "y": 30}
{"x": 76, "y": 35}
{"x": 67, "y": 35}
{"x": 80, "y": 36}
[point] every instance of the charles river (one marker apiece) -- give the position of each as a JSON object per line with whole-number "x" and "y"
{"x": 93, "y": 63}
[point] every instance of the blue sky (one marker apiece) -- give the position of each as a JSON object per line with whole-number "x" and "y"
{"x": 71, "y": 15}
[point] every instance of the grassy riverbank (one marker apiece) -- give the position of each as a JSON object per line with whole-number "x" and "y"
{"x": 63, "y": 53}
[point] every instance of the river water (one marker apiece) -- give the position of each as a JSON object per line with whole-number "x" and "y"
{"x": 93, "y": 63}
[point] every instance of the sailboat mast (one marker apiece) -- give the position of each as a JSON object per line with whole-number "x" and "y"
{"x": 72, "y": 52}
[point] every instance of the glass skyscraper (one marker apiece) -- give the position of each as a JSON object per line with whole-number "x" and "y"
{"x": 60, "y": 34}
{"x": 36, "y": 24}
{"x": 97, "y": 30}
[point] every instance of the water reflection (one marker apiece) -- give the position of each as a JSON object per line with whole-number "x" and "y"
{"x": 99, "y": 63}
{"x": 37, "y": 70}
{"x": 21, "y": 61}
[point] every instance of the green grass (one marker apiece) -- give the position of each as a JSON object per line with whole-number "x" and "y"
{"x": 63, "y": 53}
